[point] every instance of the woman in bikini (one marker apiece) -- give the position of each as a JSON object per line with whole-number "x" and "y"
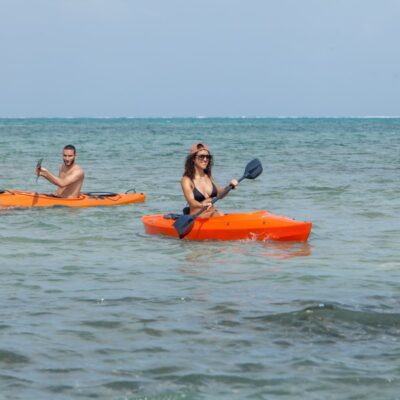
{"x": 198, "y": 184}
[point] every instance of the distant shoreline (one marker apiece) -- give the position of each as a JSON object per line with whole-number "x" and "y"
{"x": 199, "y": 117}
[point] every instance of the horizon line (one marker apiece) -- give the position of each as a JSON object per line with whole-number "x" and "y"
{"x": 212, "y": 117}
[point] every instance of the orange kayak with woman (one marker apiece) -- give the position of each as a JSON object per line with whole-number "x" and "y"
{"x": 202, "y": 221}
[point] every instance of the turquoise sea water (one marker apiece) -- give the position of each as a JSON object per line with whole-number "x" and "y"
{"x": 92, "y": 307}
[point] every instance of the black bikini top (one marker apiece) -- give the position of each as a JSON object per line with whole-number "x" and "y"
{"x": 198, "y": 196}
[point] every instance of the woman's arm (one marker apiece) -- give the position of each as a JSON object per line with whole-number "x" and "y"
{"x": 233, "y": 183}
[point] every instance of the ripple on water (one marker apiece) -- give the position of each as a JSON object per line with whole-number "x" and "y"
{"x": 10, "y": 357}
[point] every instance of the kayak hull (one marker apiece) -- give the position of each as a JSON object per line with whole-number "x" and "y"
{"x": 19, "y": 198}
{"x": 257, "y": 225}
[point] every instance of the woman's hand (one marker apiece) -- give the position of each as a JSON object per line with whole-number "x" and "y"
{"x": 207, "y": 203}
{"x": 234, "y": 183}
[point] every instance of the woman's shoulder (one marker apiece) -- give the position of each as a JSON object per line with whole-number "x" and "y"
{"x": 186, "y": 180}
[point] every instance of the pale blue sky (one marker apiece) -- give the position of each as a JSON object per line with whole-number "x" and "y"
{"x": 153, "y": 58}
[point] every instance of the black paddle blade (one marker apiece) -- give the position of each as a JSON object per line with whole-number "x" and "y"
{"x": 253, "y": 169}
{"x": 184, "y": 225}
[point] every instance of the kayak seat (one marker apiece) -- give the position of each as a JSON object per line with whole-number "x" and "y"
{"x": 172, "y": 216}
{"x": 186, "y": 210}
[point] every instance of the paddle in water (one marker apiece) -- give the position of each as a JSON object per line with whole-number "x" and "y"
{"x": 184, "y": 223}
{"x": 38, "y": 166}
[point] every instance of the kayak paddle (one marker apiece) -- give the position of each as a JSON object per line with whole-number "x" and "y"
{"x": 184, "y": 223}
{"x": 38, "y": 165}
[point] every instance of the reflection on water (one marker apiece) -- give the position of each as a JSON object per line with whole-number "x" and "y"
{"x": 286, "y": 250}
{"x": 202, "y": 253}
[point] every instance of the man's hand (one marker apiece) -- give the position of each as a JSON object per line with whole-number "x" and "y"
{"x": 38, "y": 167}
{"x": 40, "y": 171}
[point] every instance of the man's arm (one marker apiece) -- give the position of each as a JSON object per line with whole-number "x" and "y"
{"x": 61, "y": 182}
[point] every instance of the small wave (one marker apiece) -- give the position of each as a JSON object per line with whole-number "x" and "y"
{"x": 334, "y": 321}
{"x": 372, "y": 214}
{"x": 122, "y": 385}
{"x": 102, "y": 324}
{"x": 112, "y": 301}
{"x": 60, "y": 388}
{"x": 10, "y": 357}
{"x": 391, "y": 265}
{"x": 361, "y": 317}
{"x": 151, "y": 350}
{"x": 328, "y": 189}
{"x": 200, "y": 379}
{"x": 61, "y": 370}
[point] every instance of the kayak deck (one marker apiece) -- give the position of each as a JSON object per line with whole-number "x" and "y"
{"x": 257, "y": 225}
{"x": 19, "y": 198}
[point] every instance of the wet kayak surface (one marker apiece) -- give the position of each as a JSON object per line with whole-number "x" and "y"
{"x": 256, "y": 225}
{"x": 20, "y": 198}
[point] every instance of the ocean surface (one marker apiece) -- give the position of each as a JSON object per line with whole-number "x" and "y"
{"x": 94, "y": 308}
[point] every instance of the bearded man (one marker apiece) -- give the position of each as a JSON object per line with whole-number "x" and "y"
{"x": 70, "y": 177}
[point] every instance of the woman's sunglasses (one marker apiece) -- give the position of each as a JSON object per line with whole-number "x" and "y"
{"x": 206, "y": 157}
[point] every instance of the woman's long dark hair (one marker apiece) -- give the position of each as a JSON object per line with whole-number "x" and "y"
{"x": 189, "y": 166}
